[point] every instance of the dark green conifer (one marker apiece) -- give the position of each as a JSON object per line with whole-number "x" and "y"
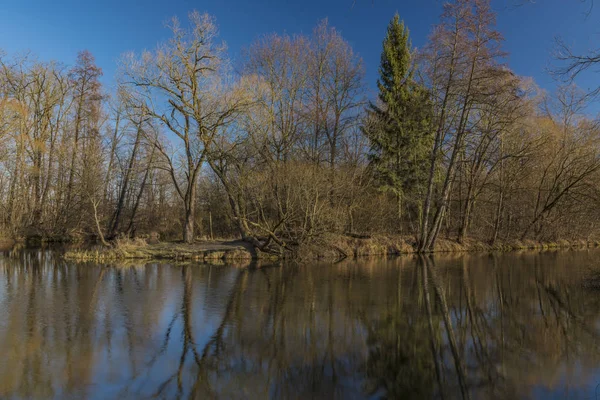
{"x": 398, "y": 126}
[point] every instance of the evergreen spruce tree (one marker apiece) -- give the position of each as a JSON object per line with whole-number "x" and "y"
{"x": 398, "y": 126}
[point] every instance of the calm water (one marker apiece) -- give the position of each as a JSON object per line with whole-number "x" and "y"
{"x": 483, "y": 327}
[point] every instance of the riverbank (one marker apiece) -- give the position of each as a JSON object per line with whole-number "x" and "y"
{"x": 337, "y": 246}
{"x": 330, "y": 247}
{"x": 138, "y": 249}
{"x": 6, "y": 244}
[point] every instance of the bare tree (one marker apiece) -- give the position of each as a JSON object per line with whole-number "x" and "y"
{"x": 183, "y": 85}
{"x": 573, "y": 64}
{"x": 461, "y": 53}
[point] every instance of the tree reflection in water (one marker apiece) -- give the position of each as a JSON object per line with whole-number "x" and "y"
{"x": 469, "y": 326}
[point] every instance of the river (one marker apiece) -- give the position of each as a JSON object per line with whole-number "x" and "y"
{"x": 478, "y": 326}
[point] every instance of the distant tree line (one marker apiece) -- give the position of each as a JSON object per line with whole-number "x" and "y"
{"x": 288, "y": 149}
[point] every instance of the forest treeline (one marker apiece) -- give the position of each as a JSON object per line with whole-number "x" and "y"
{"x": 284, "y": 146}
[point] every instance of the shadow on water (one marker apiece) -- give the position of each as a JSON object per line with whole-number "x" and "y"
{"x": 460, "y": 327}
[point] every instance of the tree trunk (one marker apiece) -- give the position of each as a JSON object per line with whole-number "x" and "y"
{"x": 188, "y": 229}
{"x": 117, "y": 216}
{"x": 498, "y": 217}
{"x": 190, "y": 213}
{"x": 140, "y": 193}
{"x": 74, "y": 155}
{"x": 466, "y": 215}
{"x": 113, "y": 149}
{"x": 97, "y": 221}
{"x": 399, "y": 205}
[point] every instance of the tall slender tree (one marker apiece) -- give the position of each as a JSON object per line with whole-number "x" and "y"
{"x": 85, "y": 77}
{"x": 398, "y": 125}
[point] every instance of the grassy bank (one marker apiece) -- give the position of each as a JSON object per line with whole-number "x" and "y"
{"x": 6, "y": 244}
{"x": 138, "y": 249}
{"x": 337, "y": 246}
{"x": 330, "y": 247}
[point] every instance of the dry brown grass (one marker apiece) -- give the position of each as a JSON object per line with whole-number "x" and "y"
{"x": 138, "y": 249}
{"x": 329, "y": 247}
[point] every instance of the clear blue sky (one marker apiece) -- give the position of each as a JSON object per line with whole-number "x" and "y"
{"x": 58, "y": 29}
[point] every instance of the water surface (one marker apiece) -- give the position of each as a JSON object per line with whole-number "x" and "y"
{"x": 516, "y": 326}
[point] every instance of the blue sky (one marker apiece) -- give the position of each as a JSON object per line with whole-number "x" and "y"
{"x": 59, "y": 29}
